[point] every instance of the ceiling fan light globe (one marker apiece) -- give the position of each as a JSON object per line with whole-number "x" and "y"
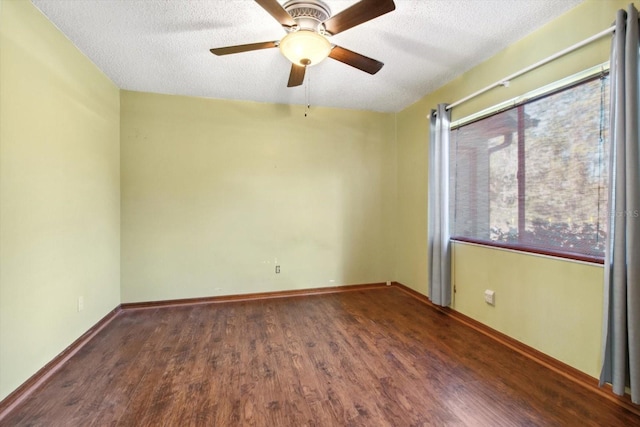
{"x": 305, "y": 47}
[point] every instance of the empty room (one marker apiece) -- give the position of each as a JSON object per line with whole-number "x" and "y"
{"x": 319, "y": 213}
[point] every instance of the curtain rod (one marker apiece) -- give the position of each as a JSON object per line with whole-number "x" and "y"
{"x": 505, "y": 81}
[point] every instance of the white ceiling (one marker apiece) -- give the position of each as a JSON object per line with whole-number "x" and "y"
{"x": 162, "y": 46}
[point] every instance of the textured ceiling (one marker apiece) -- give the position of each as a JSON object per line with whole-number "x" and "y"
{"x": 162, "y": 46}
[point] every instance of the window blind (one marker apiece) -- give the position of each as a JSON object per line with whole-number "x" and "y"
{"x": 534, "y": 176}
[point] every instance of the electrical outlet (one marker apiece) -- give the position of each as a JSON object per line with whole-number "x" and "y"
{"x": 277, "y": 269}
{"x": 490, "y": 297}
{"x": 80, "y": 303}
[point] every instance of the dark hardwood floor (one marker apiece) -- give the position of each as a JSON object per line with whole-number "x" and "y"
{"x": 363, "y": 358}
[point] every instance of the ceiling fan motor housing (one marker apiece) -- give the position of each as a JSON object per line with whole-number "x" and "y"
{"x": 308, "y": 14}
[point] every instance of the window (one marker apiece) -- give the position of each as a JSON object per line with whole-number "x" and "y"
{"x": 534, "y": 177}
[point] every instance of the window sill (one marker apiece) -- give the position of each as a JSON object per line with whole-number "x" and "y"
{"x": 532, "y": 250}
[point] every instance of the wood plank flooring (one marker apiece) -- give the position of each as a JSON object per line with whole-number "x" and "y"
{"x": 359, "y": 358}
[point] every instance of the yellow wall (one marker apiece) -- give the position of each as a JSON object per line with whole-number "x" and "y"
{"x": 59, "y": 193}
{"x": 214, "y": 193}
{"x": 554, "y": 306}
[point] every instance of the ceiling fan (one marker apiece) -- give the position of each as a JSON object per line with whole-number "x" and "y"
{"x": 308, "y": 24}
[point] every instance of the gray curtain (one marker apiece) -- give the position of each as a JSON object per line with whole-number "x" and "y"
{"x": 621, "y": 348}
{"x": 438, "y": 232}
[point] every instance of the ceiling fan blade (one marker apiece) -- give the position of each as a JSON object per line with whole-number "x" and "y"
{"x": 296, "y": 77}
{"x": 361, "y": 62}
{"x": 363, "y": 11}
{"x": 276, "y": 10}
{"x": 243, "y": 48}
